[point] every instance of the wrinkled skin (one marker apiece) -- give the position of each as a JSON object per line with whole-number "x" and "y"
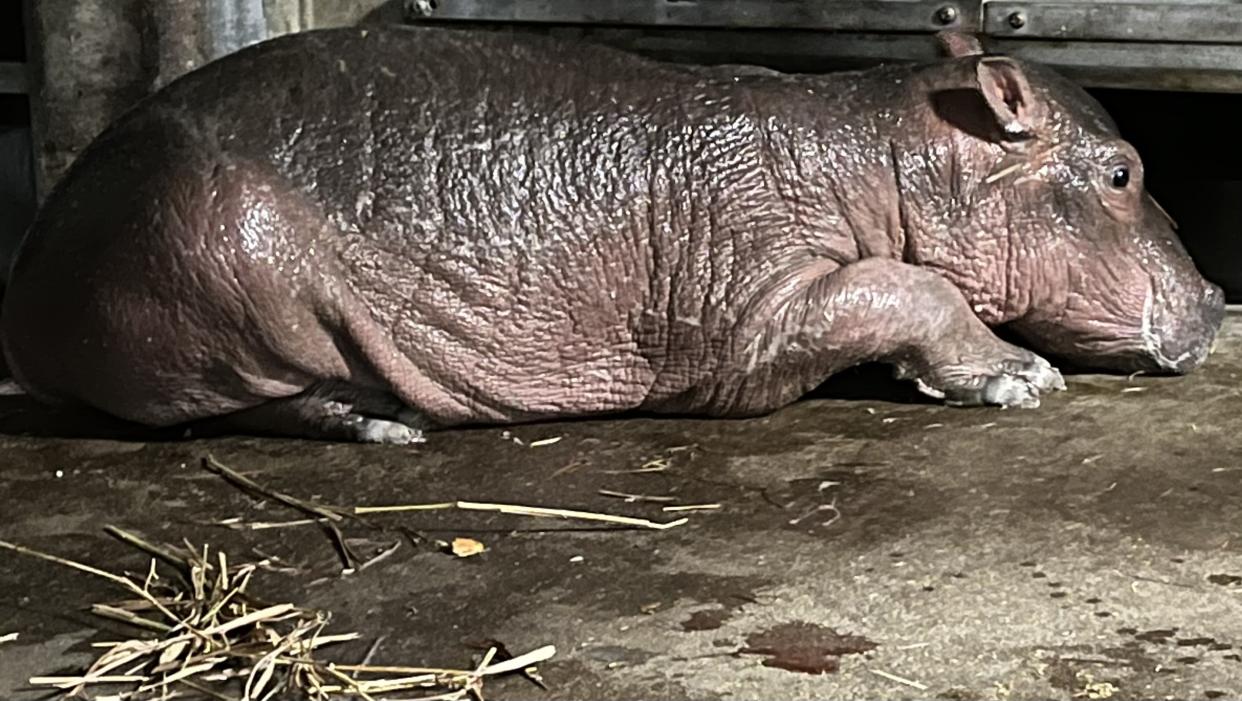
{"x": 355, "y": 234}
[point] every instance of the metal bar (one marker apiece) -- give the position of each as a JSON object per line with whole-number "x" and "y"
{"x": 838, "y": 15}
{"x": 1145, "y": 66}
{"x": 13, "y": 78}
{"x": 799, "y": 51}
{"x": 1196, "y": 22}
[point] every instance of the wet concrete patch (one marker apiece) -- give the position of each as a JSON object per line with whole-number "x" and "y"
{"x": 1083, "y": 671}
{"x": 1150, "y": 657}
{"x": 1160, "y": 635}
{"x": 709, "y": 619}
{"x": 1168, "y": 637}
{"x": 1196, "y": 642}
{"x": 805, "y": 647}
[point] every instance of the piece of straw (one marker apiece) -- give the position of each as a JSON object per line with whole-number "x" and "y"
{"x": 520, "y": 510}
{"x": 900, "y": 680}
{"x": 691, "y": 507}
{"x": 635, "y": 497}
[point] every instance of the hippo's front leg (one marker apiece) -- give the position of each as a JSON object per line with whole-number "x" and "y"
{"x": 887, "y": 311}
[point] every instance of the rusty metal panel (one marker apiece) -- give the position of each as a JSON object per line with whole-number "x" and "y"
{"x": 838, "y": 15}
{"x": 1191, "y": 22}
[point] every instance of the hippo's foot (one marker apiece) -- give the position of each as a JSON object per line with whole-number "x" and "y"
{"x": 1018, "y": 380}
{"x": 331, "y": 413}
{"x": 404, "y": 427}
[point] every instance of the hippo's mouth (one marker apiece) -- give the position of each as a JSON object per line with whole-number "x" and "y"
{"x": 1180, "y": 341}
{"x": 1153, "y": 343}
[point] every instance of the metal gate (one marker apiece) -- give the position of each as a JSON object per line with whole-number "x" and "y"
{"x": 1189, "y": 45}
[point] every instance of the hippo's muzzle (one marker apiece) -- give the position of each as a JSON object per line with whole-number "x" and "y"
{"x": 1177, "y": 338}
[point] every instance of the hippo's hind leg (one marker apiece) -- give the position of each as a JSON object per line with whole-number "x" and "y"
{"x": 875, "y": 310}
{"x": 328, "y": 411}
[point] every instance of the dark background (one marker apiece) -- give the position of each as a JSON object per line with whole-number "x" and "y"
{"x": 1191, "y": 153}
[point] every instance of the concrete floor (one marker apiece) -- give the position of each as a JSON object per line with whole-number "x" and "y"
{"x": 1088, "y": 549}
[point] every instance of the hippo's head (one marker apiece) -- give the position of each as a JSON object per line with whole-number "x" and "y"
{"x": 1027, "y": 198}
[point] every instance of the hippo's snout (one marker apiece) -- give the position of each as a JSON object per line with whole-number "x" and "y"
{"x": 1179, "y": 336}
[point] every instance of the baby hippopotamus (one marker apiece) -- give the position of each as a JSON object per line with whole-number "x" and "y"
{"x": 356, "y": 234}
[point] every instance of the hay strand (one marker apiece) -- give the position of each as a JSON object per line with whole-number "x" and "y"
{"x": 521, "y": 510}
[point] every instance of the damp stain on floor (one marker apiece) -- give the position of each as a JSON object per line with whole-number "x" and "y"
{"x": 803, "y": 647}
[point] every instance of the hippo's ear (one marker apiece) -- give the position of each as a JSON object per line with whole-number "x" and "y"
{"x": 1007, "y": 93}
{"x": 959, "y": 44}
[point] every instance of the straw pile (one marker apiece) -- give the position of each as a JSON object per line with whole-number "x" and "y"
{"x": 214, "y": 639}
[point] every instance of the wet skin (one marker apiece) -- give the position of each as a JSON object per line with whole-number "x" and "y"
{"x": 356, "y": 235}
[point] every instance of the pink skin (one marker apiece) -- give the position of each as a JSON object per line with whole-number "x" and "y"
{"x": 355, "y": 235}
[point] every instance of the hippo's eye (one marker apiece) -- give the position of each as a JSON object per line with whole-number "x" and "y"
{"x": 1121, "y": 176}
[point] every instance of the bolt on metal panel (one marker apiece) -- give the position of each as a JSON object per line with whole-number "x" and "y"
{"x": 838, "y": 15}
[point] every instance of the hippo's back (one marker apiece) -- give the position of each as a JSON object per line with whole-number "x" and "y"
{"x": 492, "y": 227}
